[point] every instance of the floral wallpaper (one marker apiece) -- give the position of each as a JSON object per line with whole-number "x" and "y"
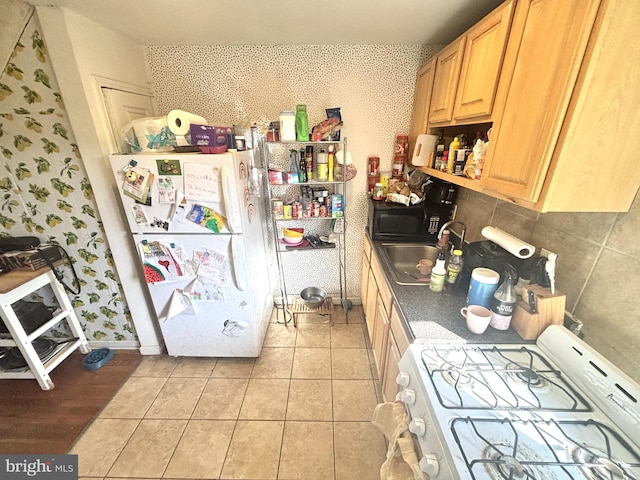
{"x": 44, "y": 190}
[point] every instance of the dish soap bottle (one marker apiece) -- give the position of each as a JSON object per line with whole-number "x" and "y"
{"x": 438, "y": 273}
{"x": 302, "y": 124}
{"x": 504, "y": 300}
{"x": 454, "y": 146}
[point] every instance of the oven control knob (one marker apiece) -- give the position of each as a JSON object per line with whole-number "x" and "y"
{"x": 408, "y": 396}
{"x": 430, "y": 465}
{"x": 403, "y": 379}
{"x": 418, "y": 427}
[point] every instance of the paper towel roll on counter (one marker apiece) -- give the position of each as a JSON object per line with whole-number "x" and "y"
{"x": 511, "y": 244}
{"x": 180, "y": 121}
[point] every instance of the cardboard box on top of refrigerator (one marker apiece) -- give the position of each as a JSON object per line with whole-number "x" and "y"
{"x": 210, "y": 139}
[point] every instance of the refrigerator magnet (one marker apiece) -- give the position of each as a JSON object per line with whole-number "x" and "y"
{"x": 138, "y": 215}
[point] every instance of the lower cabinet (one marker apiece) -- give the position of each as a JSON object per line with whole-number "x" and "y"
{"x": 371, "y": 303}
{"x": 397, "y": 343}
{"x": 380, "y": 334}
{"x": 385, "y": 325}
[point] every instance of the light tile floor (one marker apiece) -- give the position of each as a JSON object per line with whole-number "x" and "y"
{"x": 301, "y": 410}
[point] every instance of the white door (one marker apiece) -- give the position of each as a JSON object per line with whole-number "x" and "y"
{"x": 122, "y": 108}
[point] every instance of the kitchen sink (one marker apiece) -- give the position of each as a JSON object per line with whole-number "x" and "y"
{"x": 401, "y": 260}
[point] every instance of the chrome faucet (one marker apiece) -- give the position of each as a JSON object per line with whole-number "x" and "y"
{"x": 448, "y": 224}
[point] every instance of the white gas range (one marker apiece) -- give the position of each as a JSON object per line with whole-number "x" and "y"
{"x": 554, "y": 410}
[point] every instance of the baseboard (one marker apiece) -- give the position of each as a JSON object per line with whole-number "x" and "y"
{"x": 147, "y": 350}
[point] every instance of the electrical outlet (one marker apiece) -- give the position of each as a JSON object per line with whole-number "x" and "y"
{"x": 546, "y": 253}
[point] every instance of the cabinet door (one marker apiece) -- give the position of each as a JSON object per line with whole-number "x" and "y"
{"x": 364, "y": 282}
{"x": 482, "y": 61}
{"x": 380, "y": 334}
{"x": 371, "y": 305}
{"x": 445, "y": 82}
{"x": 547, "y": 44}
{"x": 421, "y": 100}
{"x": 389, "y": 386}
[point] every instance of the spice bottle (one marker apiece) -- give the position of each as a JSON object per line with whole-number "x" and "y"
{"x": 438, "y": 274}
{"x": 504, "y": 300}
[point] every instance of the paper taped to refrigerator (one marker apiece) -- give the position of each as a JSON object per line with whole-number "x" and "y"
{"x": 201, "y": 182}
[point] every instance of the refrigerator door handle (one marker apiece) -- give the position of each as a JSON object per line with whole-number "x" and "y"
{"x": 230, "y": 202}
{"x": 238, "y": 258}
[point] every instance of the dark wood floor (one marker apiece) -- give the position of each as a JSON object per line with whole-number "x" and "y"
{"x": 37, "y": 421}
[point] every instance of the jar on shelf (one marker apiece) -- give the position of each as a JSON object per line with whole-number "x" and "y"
{"x": 401, "y": 148}
{"x": 373, "y": 167}
{"x": 398, "y": 167}
{"x": 273, "y": 133}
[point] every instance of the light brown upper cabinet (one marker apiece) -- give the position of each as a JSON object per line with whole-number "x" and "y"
{"x": 445, "y": 82}
{"x": 467, "y": 71}
{"x": 421, "y": 100}
{"x": 566, "y": 109}
{"x": 562, "y": 140}
{"x": 481, "y": 64}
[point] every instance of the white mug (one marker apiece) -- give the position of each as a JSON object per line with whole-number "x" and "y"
{"x": 478, "y": 318}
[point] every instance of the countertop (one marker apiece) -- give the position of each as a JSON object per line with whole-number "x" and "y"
{"x": 435, "y": 317}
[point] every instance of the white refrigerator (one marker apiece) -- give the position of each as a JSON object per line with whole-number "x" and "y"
{"x": 198, "y": 225}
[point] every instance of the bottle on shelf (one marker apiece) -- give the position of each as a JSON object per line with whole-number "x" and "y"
{"x": 302, "y": 171}
{"x": 295, "y": 177}
{"x": 287, "y": 126}
{"x": 438, "y": 274}
{"x": 323, "y": 166}
{"x": 453, "y": 147}
{"x": 504, "y": 300}
{"x": 454, "y": 268}
{"x": 330, "y": 164}
{"x": 439, "y": 149}
{"x": 309, "y": 162}
{"x": 302, "y": 124}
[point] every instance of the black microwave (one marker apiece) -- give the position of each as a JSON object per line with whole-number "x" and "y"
{"x": 394, "y": 222}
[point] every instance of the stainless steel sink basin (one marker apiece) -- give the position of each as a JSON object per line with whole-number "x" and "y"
{"x": 402, "y": 258}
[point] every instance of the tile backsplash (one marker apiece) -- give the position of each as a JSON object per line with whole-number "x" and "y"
{"x": 598, "y": 266}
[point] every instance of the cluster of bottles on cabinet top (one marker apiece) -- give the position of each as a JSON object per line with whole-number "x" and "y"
{"x": 304, "y": 168}
{"x": 446, "y": 273}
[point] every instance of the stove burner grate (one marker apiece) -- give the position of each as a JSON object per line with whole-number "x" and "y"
{"x": 596, "y": 465}
{"x": 514, "y": 449}
{"x": 496, "y": 378}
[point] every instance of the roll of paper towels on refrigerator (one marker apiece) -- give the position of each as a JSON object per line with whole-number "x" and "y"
{"x": 425, "y": 145}
{"x": 180, "y": 121}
